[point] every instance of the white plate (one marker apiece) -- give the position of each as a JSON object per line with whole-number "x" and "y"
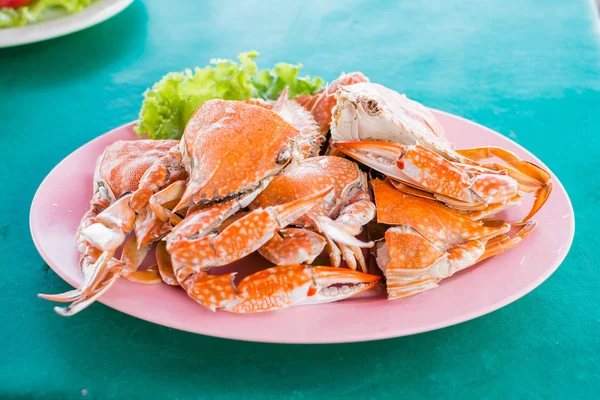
{"x": 36, "y": 32}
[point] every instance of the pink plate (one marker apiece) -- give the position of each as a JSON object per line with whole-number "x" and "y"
{"x": 64, "y": 195}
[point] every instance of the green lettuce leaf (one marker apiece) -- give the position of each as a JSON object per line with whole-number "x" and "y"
{"x": 170, "y": 103}
{"x": 270, "y": 82}
{"x": 39, "y": 10}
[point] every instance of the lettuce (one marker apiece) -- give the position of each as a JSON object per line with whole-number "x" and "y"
{"x": 39, "y": 10}
{"x": 270, "y": 82}
{"x": 170, "y": 103}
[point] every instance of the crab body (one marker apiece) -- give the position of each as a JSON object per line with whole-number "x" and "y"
{"x": 333, "y": 221}
{"x": 403, "y": 140}
{"x": 427, "y": 241}
{"x": 103, "y": 228}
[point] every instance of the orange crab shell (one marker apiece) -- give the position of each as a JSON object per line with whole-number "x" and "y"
{"x": 120, "y": 168}
{"x": 124, "y": 162}
{"x": 310, "y": 176}
{"x": 231, "y": 135}
{"x": 433, "y": 220}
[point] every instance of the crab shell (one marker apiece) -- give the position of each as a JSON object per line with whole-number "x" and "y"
{"x": 370, "y": 111}
{"x": 439, "y": 224}
{"x": 427, "y": 241}
{"x": 123, "y": 163}
{"x": 230, "y": 147}
{"x": 322, "y": 103}
{"x": 310, "y": 176}
{"x": 118, "y": 172}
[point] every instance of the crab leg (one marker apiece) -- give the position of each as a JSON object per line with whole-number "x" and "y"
{"x": 531, "y": 178}
{"x": 81, "y": 303}
{"x": 502, "y": 243}
{"x": 352, "y": 218}
{"x": 107, "y": 235}
{"x": 102, "y": 235}
{"x": 412, "y": 264}
{"x": 358, "y": 212}
{"x": 428, "y": 171}
{"x": 104, "y": 274}
{"x": 335, "y": 255}
{"x": 339, "y": 239}
{"x": 149, "y": 276}
{"x": 239, "y": 239}
{"x": 171, "y": 193}
{"x": 133, "y": 256}
{"x": 492, "y": 209}
{"x": 279, "y": 287}
{"x": 165, "y": 267}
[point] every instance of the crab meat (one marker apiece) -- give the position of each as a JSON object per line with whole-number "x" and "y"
{"x": 278, "y": 288}
{"x": 322, "y": 103}
{"x": 428, "y": 241}
{"x": 334, "y": 221}
{"x": 403, "y": 140}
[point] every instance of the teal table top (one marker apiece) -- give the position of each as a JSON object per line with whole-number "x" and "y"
{"x": 529, "y": 69}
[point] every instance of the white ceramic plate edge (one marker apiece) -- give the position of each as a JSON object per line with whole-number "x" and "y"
{"x": 37, "y": 32}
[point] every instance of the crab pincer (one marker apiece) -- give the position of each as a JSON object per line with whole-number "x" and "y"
{"x": 196, "y": 243}
{"x": 403, "y": 140}
{"x": 279, "y": 287}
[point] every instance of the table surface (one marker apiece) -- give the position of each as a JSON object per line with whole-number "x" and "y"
{"x": 528, "y": 69}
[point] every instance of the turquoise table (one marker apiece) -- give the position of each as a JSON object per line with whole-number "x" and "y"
{"x": 528, "y": 69}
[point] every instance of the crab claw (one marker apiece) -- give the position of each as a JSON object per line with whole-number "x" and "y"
{"x": 426, "y": 170}
{"x": 294, "y": 285}
{"x": 335, "y": 284}
{"x": 239, "y": 239}
{"x": 380, "y": 156}
{"x": 389, "y": 159}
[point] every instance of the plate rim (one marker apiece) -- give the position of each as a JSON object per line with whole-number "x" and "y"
{"x": 374, "y": 336}
{"x": 62, "y": 26}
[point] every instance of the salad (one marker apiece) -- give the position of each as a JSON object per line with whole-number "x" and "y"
{"x": 22, "y": 12}
{"x": 170, "y": 103}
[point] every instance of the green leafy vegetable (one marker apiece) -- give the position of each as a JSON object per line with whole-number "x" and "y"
{"x": 170, "y": 103}
{"x": 270, "y": 82}
{"x": 39, "y": 10}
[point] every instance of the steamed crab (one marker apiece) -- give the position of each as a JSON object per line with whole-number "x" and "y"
{"x": 427, "y": 241}
{"x": 350, "y": 207}
{"x": 403, "y": 140}
{"x": 197, "y": 243}
{"x": 117, "y": 174}
{"x": 224, "y": 176}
